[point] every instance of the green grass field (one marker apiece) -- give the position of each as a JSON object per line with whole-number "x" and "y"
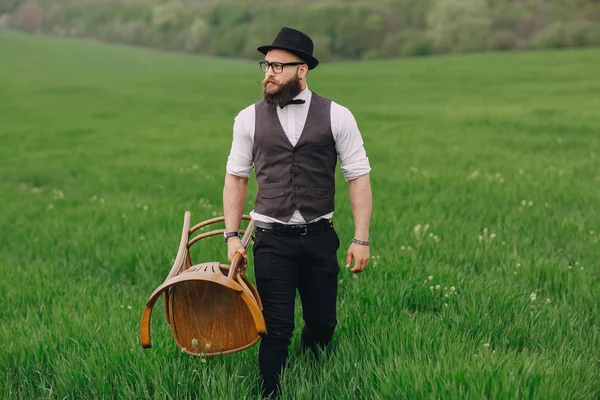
{"x": 104, "y": 148}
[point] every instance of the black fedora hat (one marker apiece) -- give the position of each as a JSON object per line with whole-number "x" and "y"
{"x": 295, "y": 42}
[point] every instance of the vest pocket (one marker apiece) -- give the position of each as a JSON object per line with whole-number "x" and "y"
{"x": 271, "y": 193}
{"x": 317, "y": 193}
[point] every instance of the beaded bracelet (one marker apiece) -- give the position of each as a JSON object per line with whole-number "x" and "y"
{"x": 363, "y": 242}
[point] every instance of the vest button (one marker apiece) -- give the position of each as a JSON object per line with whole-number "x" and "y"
{"x": 296, "y": 201}
{"x": 294, "y": 176}
{"x": 295, "y": 162}
{"x": 295, "y": 187}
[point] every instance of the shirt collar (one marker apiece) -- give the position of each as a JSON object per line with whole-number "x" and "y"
{"x": 304, "y": 95}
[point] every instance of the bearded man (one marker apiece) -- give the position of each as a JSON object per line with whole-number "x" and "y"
{"x": 293, "y": 139}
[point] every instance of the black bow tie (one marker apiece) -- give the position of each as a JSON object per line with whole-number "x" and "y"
{"x": 295, "y": 101}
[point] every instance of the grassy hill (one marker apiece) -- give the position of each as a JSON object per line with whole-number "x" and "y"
{"x": 105, "y": 147}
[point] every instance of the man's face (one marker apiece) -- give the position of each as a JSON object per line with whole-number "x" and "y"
{"x": 274, "y": 81}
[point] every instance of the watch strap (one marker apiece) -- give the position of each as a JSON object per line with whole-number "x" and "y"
{"x": 228, "y": 235}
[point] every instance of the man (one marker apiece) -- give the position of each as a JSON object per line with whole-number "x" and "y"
{"x": 293, "y": 138}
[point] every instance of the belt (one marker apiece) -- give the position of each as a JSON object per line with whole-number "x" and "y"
{"x": 298, "y": 229}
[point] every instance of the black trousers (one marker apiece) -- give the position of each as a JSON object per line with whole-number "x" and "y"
{"x": 283, "y": 264}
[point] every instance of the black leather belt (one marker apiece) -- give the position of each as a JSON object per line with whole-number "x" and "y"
{"x": 299, "y": 229}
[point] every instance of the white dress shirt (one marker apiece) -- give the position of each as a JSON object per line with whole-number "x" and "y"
{"x": 348, "y": 143}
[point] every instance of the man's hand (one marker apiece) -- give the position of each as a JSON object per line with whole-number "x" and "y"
{"x": 234, "y": 244}
{"x": 361, "y": 255}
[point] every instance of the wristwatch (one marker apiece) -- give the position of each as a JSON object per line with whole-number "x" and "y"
{"x": 227, "y": 235}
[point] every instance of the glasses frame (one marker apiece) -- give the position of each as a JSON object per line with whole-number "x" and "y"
{"x": 277, "y": 67}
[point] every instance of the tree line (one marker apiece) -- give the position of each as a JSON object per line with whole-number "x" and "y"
{"x": 340, "y": 29}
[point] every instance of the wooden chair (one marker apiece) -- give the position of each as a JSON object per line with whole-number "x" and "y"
{"x": 212, "y": 308}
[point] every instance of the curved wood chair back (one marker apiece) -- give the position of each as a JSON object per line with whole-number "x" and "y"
{"x": 212, "y": 308}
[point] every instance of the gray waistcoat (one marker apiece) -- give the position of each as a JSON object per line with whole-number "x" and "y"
{"x": 300, "y": 177}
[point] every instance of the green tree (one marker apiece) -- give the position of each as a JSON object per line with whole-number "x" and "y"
{"x": 169, "y": 16}
{"x": 373, "y": 32}
{"x": 196, "y": 36}
{"x": 460, "y": 25}
{"x": 406, "y": 14}
{"x": 325, "y": 18}
{"x": 359, "y": 31}
{"x": 340, "y": 29}
{"x": 230, "y": 43}
{"x": 322, "y": 47}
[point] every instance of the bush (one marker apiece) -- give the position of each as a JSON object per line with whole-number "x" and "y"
{"x": 582, "y": 33}
{"x": 133, "y": 32}
{"x": 505, "y": 16}
{"x": 372, "y": 54}
{"x": 78, "y": 28}
{"x": 391, "y": 45}
{"x": 8, "y": 6}
{"x": 30, "y": 17}
{"x": 503, "y": 40}
{"x": 54, "y": 17}
{"x": 551, "y": 37}
{"x": 408, "y": 43}
{"x": 4, "y": 21}
{"x": 416, "y": 44}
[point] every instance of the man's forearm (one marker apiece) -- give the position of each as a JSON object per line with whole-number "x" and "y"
{"x": 361, "y": 201}
{"x": 235, "y": 191}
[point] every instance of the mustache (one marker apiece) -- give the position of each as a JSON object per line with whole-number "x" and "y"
{"x": 266, "y": 81}
{"x": 284, "y": 91}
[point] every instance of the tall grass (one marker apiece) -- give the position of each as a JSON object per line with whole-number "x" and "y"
{"x": 484, "y": 279}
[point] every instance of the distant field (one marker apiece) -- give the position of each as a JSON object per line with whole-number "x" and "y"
{"x": 104, "y": 148}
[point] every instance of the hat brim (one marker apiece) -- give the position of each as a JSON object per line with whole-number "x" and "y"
{"x": 307, "y": 58}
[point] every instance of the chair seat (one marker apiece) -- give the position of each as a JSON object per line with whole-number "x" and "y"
{"x": 211, "y": 309}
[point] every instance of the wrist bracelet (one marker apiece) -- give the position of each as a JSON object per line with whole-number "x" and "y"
{"x": 362, "y": 242}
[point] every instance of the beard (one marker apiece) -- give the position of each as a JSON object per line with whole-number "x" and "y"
{"x": 286, "y": 92}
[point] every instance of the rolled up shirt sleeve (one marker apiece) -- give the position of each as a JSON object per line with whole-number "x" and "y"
{"x": 241, "y": 161}
{"x": 349, "y": 143}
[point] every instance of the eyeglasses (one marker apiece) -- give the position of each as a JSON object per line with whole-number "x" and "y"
{"x": 277, "y": 67}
